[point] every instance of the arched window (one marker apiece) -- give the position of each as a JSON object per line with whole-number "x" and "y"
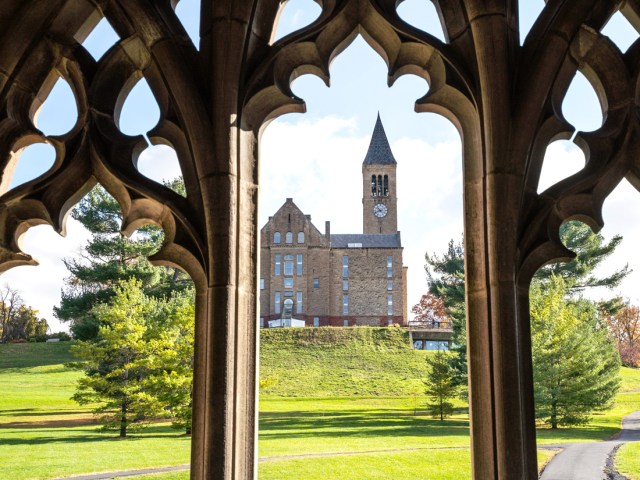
{"x": 379, "y": 185}
{"x": 288, "y": 238}
{"x": 385, "y": 192}
{"x": 373, "y": 185}
{"x": 276, "y": 237}
{"x": 300, "y": 237}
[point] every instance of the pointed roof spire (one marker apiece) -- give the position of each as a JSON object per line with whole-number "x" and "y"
{"x": 379, "y": 152}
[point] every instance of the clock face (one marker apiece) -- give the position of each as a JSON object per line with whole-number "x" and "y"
{"x": 380, "y": 210}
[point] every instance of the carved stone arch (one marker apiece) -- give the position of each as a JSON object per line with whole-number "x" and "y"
{"x": 403, "y": 48}
{"x": 93, "y": 150}
{"x": 582, "y": 195}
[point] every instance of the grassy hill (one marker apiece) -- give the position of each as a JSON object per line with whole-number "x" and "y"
{"x": 330, "y": 361}
{"x": 24, "y": 355}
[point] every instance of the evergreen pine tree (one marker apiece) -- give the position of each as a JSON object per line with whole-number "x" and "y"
{"x": 109, "y": 257}
{"x": 439, "y": 385}
{"x": 575, "y": 362}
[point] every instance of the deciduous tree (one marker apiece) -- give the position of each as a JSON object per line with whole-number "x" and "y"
{"x": 624, "y": 325}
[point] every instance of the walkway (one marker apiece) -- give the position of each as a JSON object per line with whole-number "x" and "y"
{"x": 587, "y": 461}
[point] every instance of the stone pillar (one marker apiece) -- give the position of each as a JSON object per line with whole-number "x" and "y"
{"x": 499, "y": 352}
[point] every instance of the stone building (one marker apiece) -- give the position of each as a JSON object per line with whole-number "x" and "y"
{"x": 338, "y": 279}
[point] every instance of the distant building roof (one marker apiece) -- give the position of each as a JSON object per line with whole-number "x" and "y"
{"x": 359, "y": 240}
{"x": 379, "y": 152}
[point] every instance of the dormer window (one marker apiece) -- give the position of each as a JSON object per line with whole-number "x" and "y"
{"x": 300, "y": 237}
{"x": 288, "y": 238}
{"x": 276, "y": 237}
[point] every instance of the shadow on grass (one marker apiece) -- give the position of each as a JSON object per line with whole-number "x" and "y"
{"x": 51, "y": 435}
{"x": 31, "y": 412}
{"x": 357, "y": 423}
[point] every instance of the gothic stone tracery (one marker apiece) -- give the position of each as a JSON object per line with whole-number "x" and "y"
{"x": 504, "y": 98}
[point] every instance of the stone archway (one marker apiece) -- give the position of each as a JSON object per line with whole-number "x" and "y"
{"x": 503, "y": 97}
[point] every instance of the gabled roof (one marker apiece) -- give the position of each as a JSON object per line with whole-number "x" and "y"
{"x": 379, "y": 152}
{"x": 359, "y": 240}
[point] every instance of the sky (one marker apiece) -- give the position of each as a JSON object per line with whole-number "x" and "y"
{"x": 316, "y": 157}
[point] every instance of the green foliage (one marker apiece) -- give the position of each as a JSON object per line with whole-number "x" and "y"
{"x": 336, "y": 361}
{"x": 440, "y": 387}
{"x": 576, "y": 363}
{"x": 591, "y": 250}
{"x": 445, "y": 275}
{"x": 19, "y": 322}
{"x": 141, "y": 362}
{"x": 109, "y": 258}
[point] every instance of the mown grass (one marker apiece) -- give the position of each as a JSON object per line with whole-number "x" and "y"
{"x": 333, "y": 362}
{"x": 22, "y": 355}
{"x": 381, "y": 434}
{"x": 628, "y": 460}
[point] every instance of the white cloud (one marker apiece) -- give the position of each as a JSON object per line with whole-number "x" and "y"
{"x": 159, "y": 163}
{"x": 562, "y": 159}
{"x": 40, "y": 286}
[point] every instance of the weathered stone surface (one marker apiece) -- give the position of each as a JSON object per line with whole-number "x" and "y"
{"x": 504, "y": 98}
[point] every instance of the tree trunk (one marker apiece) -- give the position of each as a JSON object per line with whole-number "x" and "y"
{"x": 123, "y": 419}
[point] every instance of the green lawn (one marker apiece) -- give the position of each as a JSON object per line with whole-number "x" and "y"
{"x": 54, "y": 437}
{"x": 628, "y": 460}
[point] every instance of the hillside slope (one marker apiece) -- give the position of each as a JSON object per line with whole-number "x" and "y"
{"x": 331, "y": 361}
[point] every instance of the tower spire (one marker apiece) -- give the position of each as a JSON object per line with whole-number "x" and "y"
{"x": 379, "y": 152}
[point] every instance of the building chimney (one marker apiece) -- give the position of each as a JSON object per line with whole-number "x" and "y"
{"x": 327, "y": 230}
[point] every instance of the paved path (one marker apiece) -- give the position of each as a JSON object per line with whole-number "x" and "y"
{"x": 586, "y": 461}
{"x": 126, "y": 473}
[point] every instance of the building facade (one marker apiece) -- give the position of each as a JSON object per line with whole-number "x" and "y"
{"x": 338, "y": 279}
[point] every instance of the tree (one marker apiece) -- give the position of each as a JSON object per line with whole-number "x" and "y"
{"x": 431, "y": 311}
{"x": 171, "y": 379}
{"x": 140, "y": 365}
{"x": 591, "y": 250}
{"x": 17, "y": 320}
{"x": 139, "y": 342}
{"x": 110, "y": 257}
{"x": 575, "y": 363}
{"x": 624, "y": 325}
{"x": 439, "y": 385}
{"x": 445, "y": 275}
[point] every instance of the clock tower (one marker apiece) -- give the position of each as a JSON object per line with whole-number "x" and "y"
{"x": 379, "y": 199}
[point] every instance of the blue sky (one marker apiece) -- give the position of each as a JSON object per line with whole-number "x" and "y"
{"x": 307, "y": 156}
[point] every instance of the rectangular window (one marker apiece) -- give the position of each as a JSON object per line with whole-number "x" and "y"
{"x": 278, "y": 259}
{"x": 288, "y": 294}
{"x": 345, "y": 266}
{"x": 299, "y": 264}
{"x": 262, "y": 284}
{"x": 298, "y": 302}
{"x": 345, "y": 304}
{"x": 276, "y": 301}
{"x": 345, "y": 323}
{"x": 288, "y": 267}
{"x": 390, "y": 304}
{"x": 390, "y": 285}
{"x": 261, "y": 322}
{"x": 316, "y": 283}
{"x": 316, "y": 321}
{"x": 389, "y": 266}
{"x": 345, "y": 285}
{"x": 288, "y": 282}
